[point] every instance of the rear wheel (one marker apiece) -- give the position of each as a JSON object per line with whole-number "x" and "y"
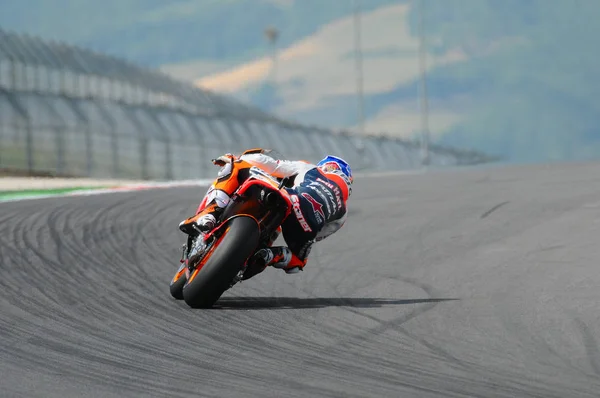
{"x": 206, "y": 284}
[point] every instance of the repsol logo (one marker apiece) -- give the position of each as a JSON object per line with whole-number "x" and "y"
{"x": 326, "y": 183}
{"x": 299, "y": 215}
{"x": 335, "y": 190}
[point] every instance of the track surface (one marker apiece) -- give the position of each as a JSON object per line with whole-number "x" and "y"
{"x": 465, "y": 283}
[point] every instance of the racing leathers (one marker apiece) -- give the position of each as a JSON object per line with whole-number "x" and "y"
{"x": 319, "y": 206}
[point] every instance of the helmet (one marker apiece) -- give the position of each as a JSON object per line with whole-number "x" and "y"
{"x": 333, "y": 163}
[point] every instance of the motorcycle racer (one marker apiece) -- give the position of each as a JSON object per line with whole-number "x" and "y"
{"x": 319, "y": 195}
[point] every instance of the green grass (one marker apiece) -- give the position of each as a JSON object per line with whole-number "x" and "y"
{"x": 32, "y": 193}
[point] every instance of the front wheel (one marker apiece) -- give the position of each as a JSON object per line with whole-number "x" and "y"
{"x": 178, "y": 282}
{"x": 229, "y": 253}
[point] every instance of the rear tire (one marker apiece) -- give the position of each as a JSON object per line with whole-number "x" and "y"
{"x": 223, "y": 265}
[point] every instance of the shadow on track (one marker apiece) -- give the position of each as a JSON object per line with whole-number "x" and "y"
{"x": 229, "y": 303}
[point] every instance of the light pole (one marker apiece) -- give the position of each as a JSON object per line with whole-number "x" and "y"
{"x": 359, "y": 68}
{"x": 358, "y": 141}
{"x": 424, "y": 102}
{"x": 272, "y": 34}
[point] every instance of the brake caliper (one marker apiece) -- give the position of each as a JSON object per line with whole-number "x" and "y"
{"x": 196, "y": 252}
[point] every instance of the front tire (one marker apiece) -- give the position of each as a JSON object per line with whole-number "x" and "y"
{"x": 177, "y": 283}
{"x": 207, "y": 285}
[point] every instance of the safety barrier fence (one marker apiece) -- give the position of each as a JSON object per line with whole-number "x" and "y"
{"x": 70, "y": 111}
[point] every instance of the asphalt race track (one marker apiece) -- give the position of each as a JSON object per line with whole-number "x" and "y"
{"x": 459, "y": 283}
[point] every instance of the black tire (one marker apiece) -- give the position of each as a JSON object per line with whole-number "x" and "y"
{"x": 223, "y": 265}
{"x": 177, "y": 284}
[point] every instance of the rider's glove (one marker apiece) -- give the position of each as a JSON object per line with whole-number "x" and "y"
{"x": 224, "y": 159}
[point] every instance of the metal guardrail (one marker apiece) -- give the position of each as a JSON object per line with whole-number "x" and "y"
{"x": 69, "y": 111}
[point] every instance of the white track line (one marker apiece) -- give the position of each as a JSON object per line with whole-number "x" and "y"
{"x": 181, "y": 184}
{"x": 117, "y": 189}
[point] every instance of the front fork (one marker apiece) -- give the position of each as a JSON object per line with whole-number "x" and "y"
{"x": 185, "y": 250}
{"x": 192, "y": 252}
{"x": 195, "y": 247}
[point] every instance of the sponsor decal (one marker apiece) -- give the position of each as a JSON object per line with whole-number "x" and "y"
{"x": 335, "y": 189}
{"x": 338, "y": 197}
{"x": 263, "y": 175}
{"x": 326, "y": 183}
{"x": 317, "y": 207}
{"x": 319, "y": 191}
{"x": 299, "y": 215}
{"x": 219, "y": 196}
{"x": 319, "y": 188}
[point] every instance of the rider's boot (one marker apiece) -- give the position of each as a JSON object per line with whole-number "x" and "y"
{"x": 263, "y": 258}
{"x": 281, "y": 257}
{"x": 202, "y": 222}
{"x": 257, "y": 263}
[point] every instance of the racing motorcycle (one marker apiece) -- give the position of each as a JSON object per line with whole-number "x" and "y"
{"x": 213, "y": 262}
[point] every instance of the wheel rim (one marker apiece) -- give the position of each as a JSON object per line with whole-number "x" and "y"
{"x": 206, "y": 257}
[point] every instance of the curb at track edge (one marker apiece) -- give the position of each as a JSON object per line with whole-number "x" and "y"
{"x": 168, "y": 184}
{"x": 116, "y": 189}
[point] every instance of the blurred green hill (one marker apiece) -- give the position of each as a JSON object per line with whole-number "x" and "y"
{"x": 515, "y": 78}
{"x": 157, "y": 32}
{"x": 537, "y": 92}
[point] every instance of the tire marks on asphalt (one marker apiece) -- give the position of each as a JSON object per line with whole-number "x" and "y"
{"x": 85, "y": 302}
